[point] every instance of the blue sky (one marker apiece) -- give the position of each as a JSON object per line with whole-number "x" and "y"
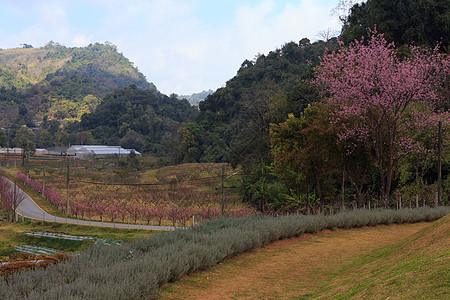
{"x": 181, "y": 46}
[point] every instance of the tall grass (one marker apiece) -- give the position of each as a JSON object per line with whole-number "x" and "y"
{"x": 137, "y": 270}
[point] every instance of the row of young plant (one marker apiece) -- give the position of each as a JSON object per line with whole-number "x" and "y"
{"x": 124, "y": 208}
{"x": 49, "y": 193}
{"x": 137, "y": 270}
{"x": 27, "y": 261}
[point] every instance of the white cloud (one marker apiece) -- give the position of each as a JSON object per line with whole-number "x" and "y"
{"x": 81, "y": 40}
{"x": 167, "y": 41}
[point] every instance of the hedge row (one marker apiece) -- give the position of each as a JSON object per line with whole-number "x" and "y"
{"x": 137, "y": 270}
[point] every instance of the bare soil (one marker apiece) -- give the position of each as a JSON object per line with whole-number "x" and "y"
{"x": 288, "y": 269}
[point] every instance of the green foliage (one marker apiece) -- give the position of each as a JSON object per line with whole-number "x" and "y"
{"x": 138, "y": 269}
{"x": 60, "y": 82}
{"x": 262, "y": 189}
{"x": 25, "y": 139}
{"x": 236, "y": 118}
{"x": 304, "y": 151}
{"x": 52, "y": 243}
{"x": 424, "y": 22}
{"x": 141, "y": 118}
{"x": 3, "y": 139}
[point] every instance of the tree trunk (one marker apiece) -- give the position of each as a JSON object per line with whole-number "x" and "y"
{"x": 319, "y": 193}
{"x": 308, "y": 209}
{"x": 343, "y": 189}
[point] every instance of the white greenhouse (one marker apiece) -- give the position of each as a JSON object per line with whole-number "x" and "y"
{"x": 98, "y": 151}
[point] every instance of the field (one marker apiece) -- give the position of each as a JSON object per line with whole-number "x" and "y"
{"x": 316, "y": 261}
{"x": 11, "y": 234}
{"x": 108, "y": 190}
{"x": 384, "y": 262}
{"x": 138, "y": 270}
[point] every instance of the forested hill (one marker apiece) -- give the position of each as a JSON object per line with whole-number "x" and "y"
{"x": 232, "y": 124}
{"x": 141, "y": 119}
{"x": 99, "y": 62}
{"x": 91, "y": 95}
{"x": 61, "y": 82}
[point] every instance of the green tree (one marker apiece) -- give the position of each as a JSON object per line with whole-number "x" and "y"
{"x": 189, "y": 146}
{"x": 3, "y": 139}
{"x": 46, "y": 139}
{"x": 422, "y": 22}
{"x": 304, "y": 152}
{"x": 25, "y": 139}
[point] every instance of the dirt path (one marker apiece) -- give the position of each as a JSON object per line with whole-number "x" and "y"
{"x": 293, "y": 268}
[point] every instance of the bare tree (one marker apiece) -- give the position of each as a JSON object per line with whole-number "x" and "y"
{"x": 327, "y": 34}
{"x": 343, "y": 9}
{"x": 11, "y": 197}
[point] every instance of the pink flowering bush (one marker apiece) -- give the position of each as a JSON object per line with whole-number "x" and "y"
{"x": 380, "y": 99}
{"x": 50, "y": 194}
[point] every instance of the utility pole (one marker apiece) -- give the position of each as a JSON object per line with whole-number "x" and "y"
{"x": 15, "y": 200}
{"x": 7, "y": 150}
{"x": 223, "y": 191}
{"x": 43, "y": 180}
{"x": 68, "y": 179}
{"x": 67, "y": 182}
{"x": 439, "y": 197}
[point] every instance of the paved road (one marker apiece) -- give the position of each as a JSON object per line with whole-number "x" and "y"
{"x": 29, "y": 209}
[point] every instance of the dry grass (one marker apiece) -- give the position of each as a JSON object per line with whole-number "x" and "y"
{"x": 293, "y": 268}
{"x": 414, "y": 268}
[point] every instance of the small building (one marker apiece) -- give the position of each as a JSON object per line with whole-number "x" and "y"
{"x": 86, "y": 152}
{"x": 41, "y": 151}
{"x": 11, "y": 151}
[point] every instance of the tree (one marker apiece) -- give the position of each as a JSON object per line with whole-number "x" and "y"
{"x": 304, "y": 152}
{"x": 25, "y": 139}
{"x": 373, "y": 88}
{"x": 11, "y": 197}
{"x": 3, "y": 139}
{"x": 46, "y": 139}
{"x": 422, "y": 22}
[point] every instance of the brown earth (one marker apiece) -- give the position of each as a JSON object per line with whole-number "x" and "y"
{"x": 288, "y": 269}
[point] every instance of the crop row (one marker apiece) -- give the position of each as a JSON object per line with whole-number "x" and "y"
{"x": 141, "y": 207}
{"x": 138, "y": 269}
{"x": 27, "y": 261}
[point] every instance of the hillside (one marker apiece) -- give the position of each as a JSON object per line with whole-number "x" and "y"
{"x": 41, "y": 65}
{"x": 59, "y": 82}
{"x": 416, "y": 267}
{"x": 195, "y": 98}
{"x": 145, "y": 120}
{"x": 233, "y": 122}
{"x": 408, "y": 261}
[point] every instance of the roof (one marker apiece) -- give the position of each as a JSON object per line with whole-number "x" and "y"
{"x": 101, "y": 150}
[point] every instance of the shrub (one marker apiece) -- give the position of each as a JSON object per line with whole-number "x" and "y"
{"x": 136, "y": 270}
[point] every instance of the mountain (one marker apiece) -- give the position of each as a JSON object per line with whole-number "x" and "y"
{"x": 60, "y": 82}
{"x": 145, "y": 120}
{"x": 233, "y": 122}
{"x": 88, "y": 95}
{"x": 24, "y": 67}
{"x": 195, "y": 98}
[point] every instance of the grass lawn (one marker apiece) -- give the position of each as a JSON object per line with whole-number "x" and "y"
{"x": 396, "y": 262}
{"x": 11, "y": 234}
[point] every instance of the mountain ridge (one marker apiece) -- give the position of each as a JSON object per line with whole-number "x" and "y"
{"x": 61, "y": 83}
{"x": 33, "y": 65}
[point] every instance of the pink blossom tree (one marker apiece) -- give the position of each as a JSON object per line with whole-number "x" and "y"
{"x": 373, "y": 88}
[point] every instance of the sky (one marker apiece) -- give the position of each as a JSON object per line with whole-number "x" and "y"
{"x": 183, "y": 47}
